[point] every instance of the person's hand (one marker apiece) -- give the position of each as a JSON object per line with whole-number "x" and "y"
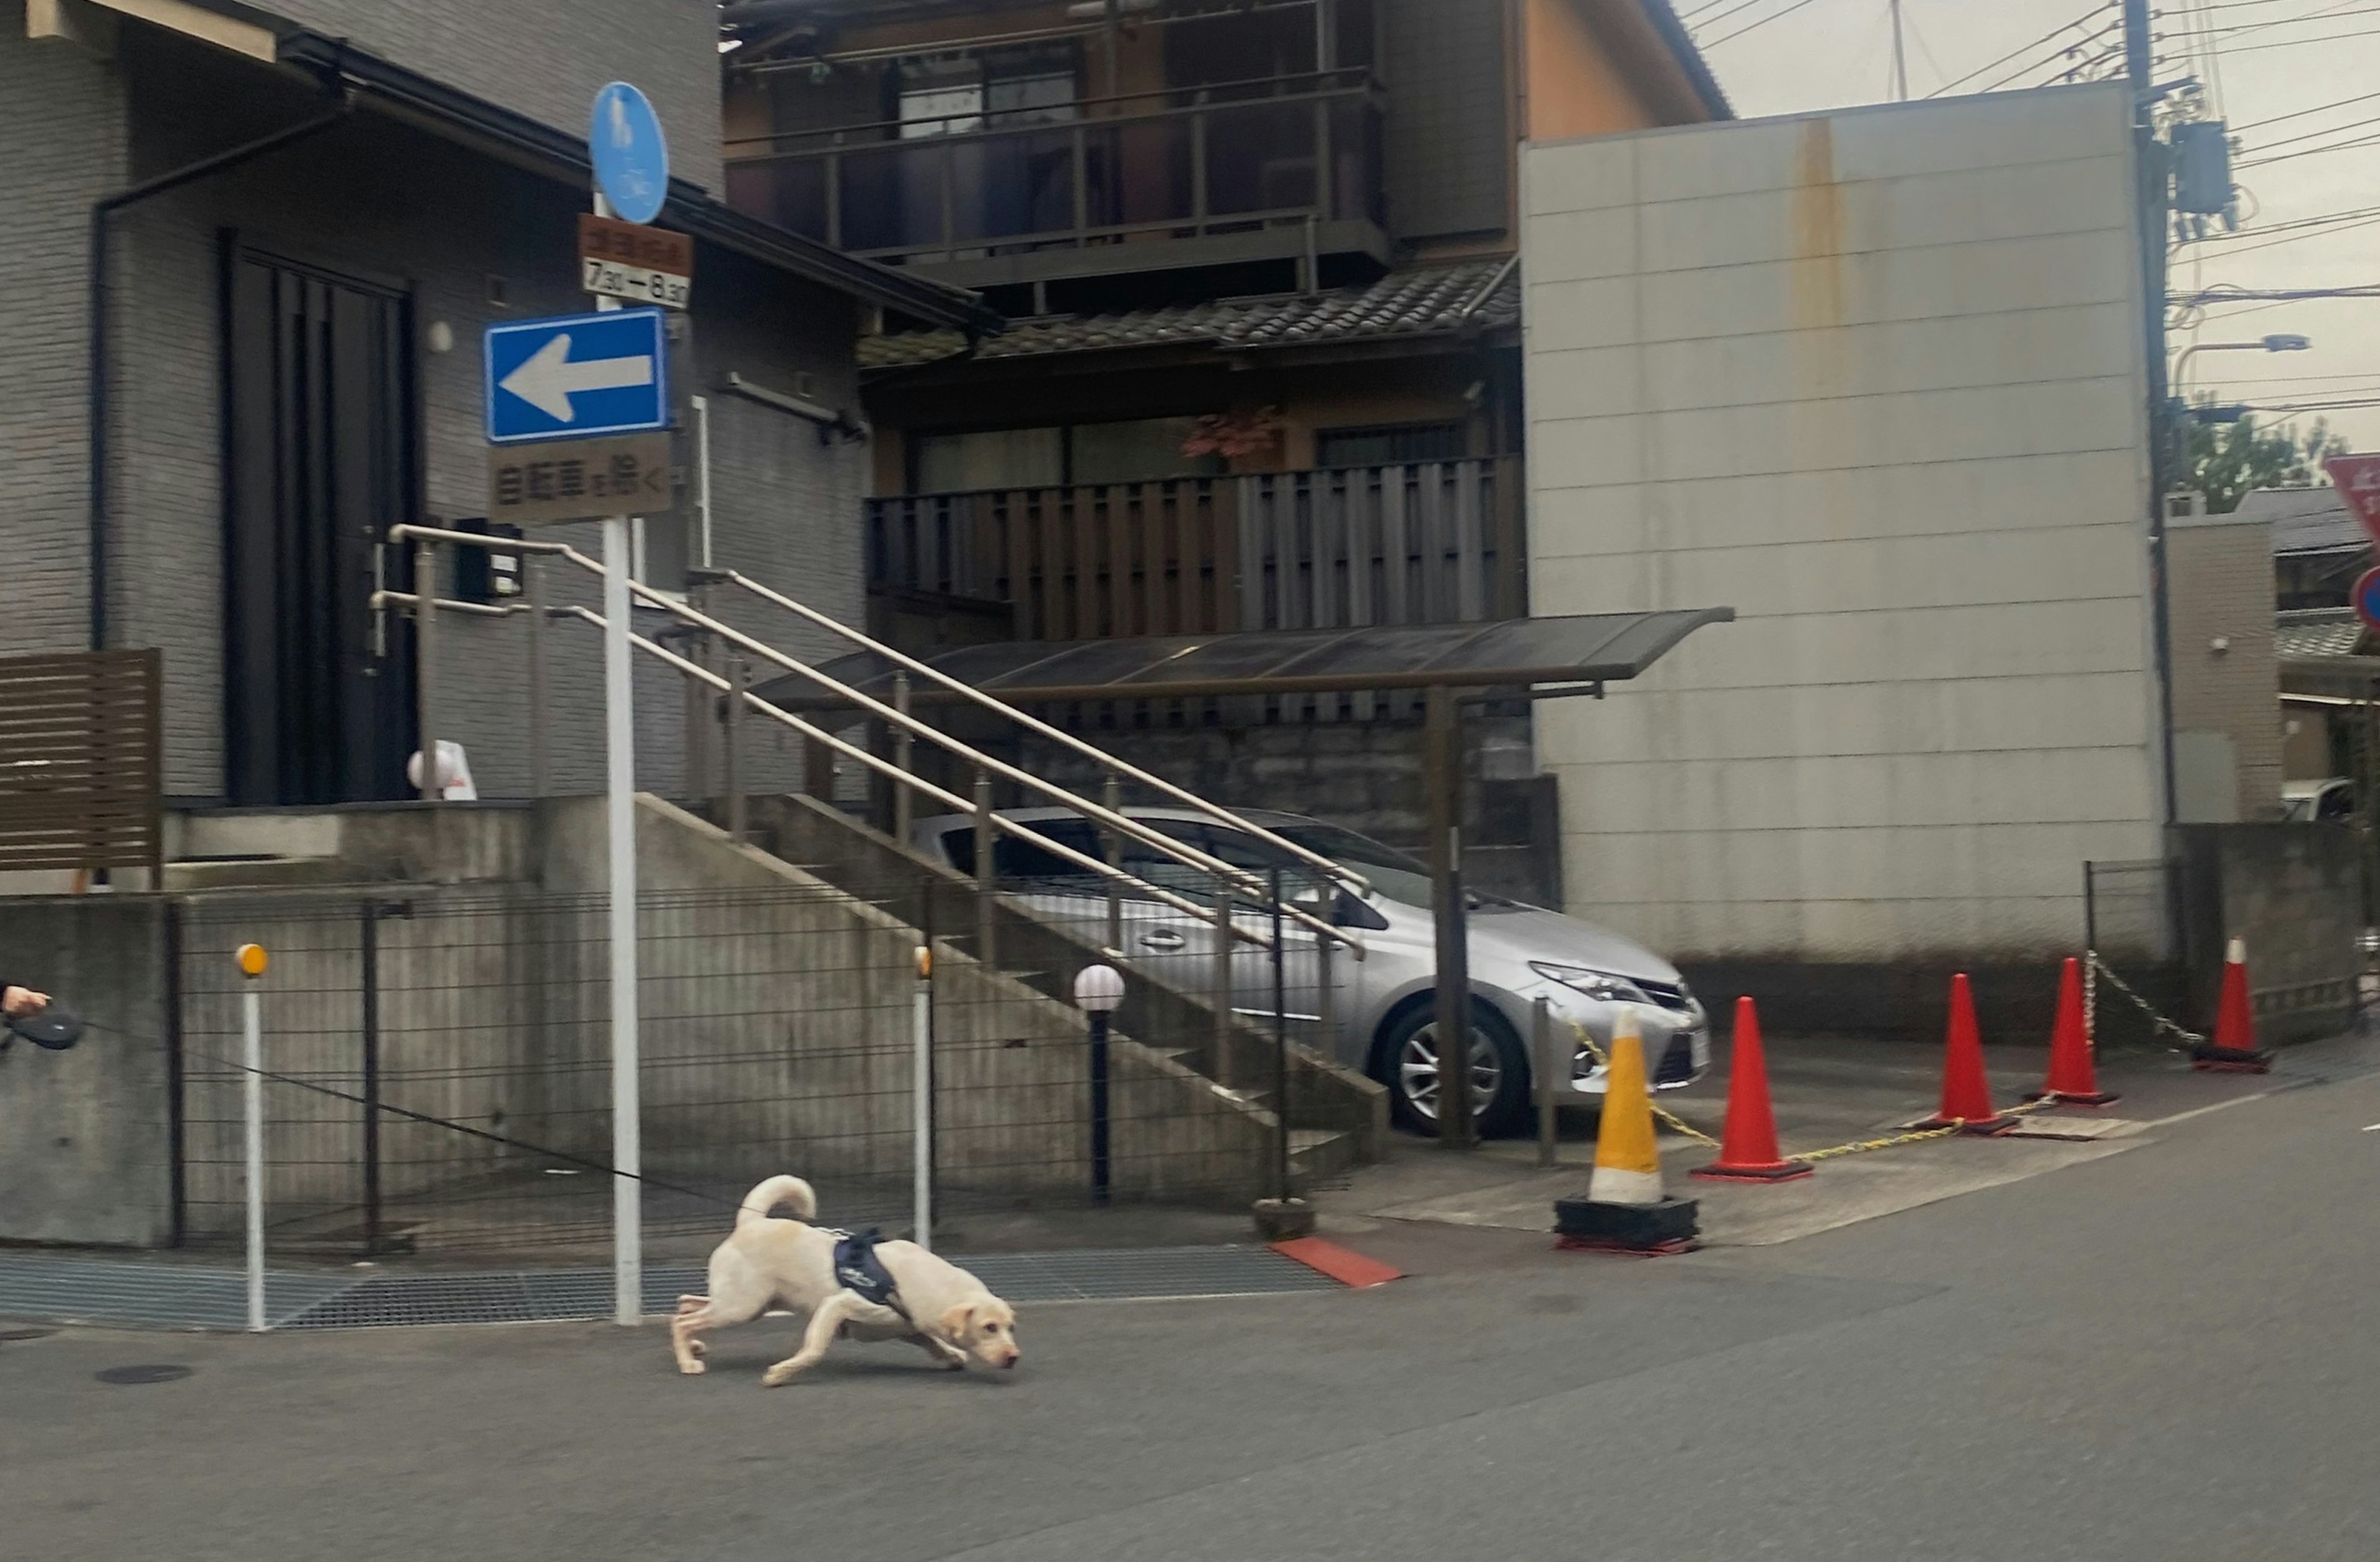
{"x": 23, "y": 1001}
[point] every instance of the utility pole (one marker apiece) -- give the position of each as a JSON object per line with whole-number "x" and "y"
{"x": 1899, "y": 59}
{"x": 2149, "y": 159}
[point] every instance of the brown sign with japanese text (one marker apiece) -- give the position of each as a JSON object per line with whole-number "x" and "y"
{"x": 633, "y": 244}
{"x": 579, "y": 479}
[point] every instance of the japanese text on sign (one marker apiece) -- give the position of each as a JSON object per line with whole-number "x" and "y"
{"x": 578, "y": 480}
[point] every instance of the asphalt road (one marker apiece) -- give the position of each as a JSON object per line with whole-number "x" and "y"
{"x": 2162, "y": 1354}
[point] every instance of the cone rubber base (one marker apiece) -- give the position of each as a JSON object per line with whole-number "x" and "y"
{"x": 2069, "y": 1099}
{"x": 1971, "y": 1128}
{"x": 1781, "y": 1172}
{"x": 2213, "y": 1060}
{"x": 1597, "y": 1244}
{"x": 1628, "y": 1228}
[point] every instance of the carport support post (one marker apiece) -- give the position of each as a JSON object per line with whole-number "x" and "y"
{"x": 1443, "y": 750}
{"x": 1225, "y": 1074}
{"x": 1111, "y": 849}
{"x": 533, "y": 586}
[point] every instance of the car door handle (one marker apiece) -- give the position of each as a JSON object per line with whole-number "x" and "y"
{"x": 1162, "y": 938}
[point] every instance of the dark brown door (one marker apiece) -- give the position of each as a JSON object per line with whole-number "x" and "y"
{"x": 320, "y": 462}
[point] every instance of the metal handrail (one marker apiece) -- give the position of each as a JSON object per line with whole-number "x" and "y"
{"x": 817, "y": 734}
{"x": 1040, "y": 728}
{"x": 1188, "y": 855}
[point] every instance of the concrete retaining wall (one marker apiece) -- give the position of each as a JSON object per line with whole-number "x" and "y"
{"x": 85, "y": 1134}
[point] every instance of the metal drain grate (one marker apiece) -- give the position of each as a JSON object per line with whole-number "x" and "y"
{"x": 186, "y": 1296}
{"x": 100, "y": 1291}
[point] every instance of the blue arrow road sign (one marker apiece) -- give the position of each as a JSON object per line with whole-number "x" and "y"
{"x": 631, "y": 155}
{"x": 577, "y": 374}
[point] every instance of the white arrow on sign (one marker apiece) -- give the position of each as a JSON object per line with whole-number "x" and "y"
{"x": 547, "y": 378}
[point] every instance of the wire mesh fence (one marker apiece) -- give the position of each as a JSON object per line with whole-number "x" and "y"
{"x": 438, "y": 1070}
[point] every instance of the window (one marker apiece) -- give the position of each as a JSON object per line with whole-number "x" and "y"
{"x": 1139, "y": 450}
{"x": 1002, "y": 459}
{"x": 1388, "y": 444}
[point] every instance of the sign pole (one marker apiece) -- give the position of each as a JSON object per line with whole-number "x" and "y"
{"x": 620, "y": 837}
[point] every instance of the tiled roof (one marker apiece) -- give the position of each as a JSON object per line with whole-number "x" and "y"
{"x": 2318, "y": 632}
{"x": 2304, "y": 518}
{"x": 1416, "y": 302}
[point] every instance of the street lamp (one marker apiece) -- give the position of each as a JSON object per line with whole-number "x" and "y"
{"x": 1099, "y": 992}
{"x": 2277, "y": 343}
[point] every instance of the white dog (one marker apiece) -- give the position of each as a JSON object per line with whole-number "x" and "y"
{"x": 767, "y": 1263}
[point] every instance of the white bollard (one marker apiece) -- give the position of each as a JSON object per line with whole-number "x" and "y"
{"x": 251, "y": 958}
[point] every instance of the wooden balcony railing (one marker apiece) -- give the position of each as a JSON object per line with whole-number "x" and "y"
{"x": 1430, "y": 542}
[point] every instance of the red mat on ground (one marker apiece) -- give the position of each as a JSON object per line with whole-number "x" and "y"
{"x": 1347, "y": 1269}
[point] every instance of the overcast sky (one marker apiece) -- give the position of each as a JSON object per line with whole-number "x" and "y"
{"x": 2269, "y": 59}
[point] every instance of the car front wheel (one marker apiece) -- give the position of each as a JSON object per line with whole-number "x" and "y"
{"x": 1408, "y": 1064}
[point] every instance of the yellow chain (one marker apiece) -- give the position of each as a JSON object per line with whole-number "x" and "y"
{"x": 1858, "y": 1147}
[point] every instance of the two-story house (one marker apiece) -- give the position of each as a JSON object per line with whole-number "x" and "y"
{"x": 1259, "y": 265}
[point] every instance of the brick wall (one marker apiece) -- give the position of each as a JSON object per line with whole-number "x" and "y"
{"x": 2221, "y": 589}
{"x": 1448, "y": 160}
{"x": 545, "y": 58}
{"x": 61, "y": 149}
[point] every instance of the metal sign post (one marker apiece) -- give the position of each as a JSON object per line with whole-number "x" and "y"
{"x": 631, "y": 162}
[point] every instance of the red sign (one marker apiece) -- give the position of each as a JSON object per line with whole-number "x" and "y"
{"x": 2357, "y": 478}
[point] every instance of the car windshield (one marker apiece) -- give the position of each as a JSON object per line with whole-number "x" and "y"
{"x": 1394, "y": 875}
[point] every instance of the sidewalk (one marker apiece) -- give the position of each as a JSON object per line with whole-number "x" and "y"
{"x": 1828, "y": 1090}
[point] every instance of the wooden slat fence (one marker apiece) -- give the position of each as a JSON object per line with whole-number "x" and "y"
{"x": 81, "y": 761}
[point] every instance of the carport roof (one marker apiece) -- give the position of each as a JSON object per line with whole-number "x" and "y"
{"x": 1586, "y": 650}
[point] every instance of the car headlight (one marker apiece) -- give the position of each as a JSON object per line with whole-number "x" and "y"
{"x": 1605, "y": 986}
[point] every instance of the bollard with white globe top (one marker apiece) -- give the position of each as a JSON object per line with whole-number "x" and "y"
{"x": 1099, "y": 991}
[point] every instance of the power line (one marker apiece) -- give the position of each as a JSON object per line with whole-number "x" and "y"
{"x": 2301, "y": 43}
{"x": 1754, "y": 25}
{"x": 2315, "y": 135}
{"x": 2317, "y": 220}
{"x": 1731, "y": 10}
{"x": 2309, "y": 151}
{"x": 2022, "y": 48}
{"x": 2293, "y": 239}
{"x": 2301, "y": 114}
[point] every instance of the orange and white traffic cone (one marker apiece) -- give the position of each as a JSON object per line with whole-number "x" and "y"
{"x": 2234, "y": 1049}
{"x": 1966, "y": 1089}
{"x": 2073, "y": 1080}
{"x": 1747, "y": 1147}
{"x": 1626, "y": 1209}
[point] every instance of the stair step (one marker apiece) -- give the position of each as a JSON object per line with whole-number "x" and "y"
{"x": 242, "y": 872}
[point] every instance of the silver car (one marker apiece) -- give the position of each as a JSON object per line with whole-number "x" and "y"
{"x": 1384, "y": 1002}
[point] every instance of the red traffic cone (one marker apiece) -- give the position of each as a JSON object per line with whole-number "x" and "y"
{"x": 2074, "y": 1078}
{"x": 1966, "y": 1090}
{"x": 2233, "y": 1050}
{"x": 1747, "y": 1151}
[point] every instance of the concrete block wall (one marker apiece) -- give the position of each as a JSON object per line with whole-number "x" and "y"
{"x": 1874, "y": 379}
{"x": 2226, "y": 674}
{"x": 775, "y": 1036}
{"x": 62, "y": 147}
{"x": 85, "y": 1135}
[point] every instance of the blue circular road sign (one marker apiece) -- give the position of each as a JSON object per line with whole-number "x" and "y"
{"x": 2367, "y": 599}
{"x": 631, "y": 155}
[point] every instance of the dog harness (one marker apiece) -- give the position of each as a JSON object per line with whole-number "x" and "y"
{"x": 860, "y": 1272}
